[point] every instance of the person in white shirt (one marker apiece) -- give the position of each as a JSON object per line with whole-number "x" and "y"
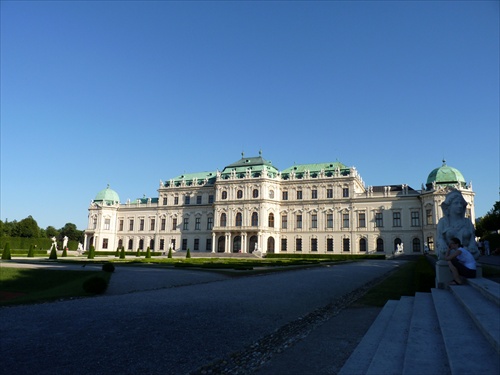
{"x": 461, "y": 262}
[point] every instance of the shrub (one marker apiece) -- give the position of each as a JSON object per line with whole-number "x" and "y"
{"x": 122, "y": 253}
{"x": 95, "y": 285}
{"x": 91, "y": 253}
{"x": 108, "y": 267}
{"x": 138, "y": 253}
{"x": 53, "y": 253}
{"x": 6, "y": 255}
{"x": 188, "y": 254}
{"x": 117, "y": 252}
{"x": 148, "y": 253}
{"x": 31, "y": 252}
{"x": 169, "y": 252}
{"x": 65, "y": 252}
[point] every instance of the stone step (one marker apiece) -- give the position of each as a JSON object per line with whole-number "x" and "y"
{"x": 360, "y": 359}
{"x": 484, "y": 313}
{"x": 486, "y": 287}
{"x": 468, "y": 351}
{"x": 425, "y": 350}
{"x": 389, "y": 357}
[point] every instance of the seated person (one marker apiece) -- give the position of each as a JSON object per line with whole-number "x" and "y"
{"x": 461, "y": 262}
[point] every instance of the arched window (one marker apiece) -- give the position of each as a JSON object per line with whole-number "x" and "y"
{"x": 239, "y": 194}
{"x": 255, "y": 193}
{"x": 362, "y": 244}
{"x": 141, "y": 244}
{"x": 271, "y": 220}
{"x": 224, "y": 194}
{"x": 152, "y": 245}
{"x": 120, "y": 243}
{"x": 255, "y": 219}
{"x": 130, "y": 244}
{"x": 223, "y": 220}
{"x": 238, "y": 219}
{"x": 271, "y": 194}
{"x": 380, "y": 244}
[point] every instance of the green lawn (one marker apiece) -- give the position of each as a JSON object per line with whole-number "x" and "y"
{"x": 24, "y": 285}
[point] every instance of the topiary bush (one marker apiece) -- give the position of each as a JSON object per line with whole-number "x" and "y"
{"x": 148, "y": 253}
{"x": 95, "y": 285}
{"x": 169, "y": 253}
{"x": 188, "y": 253}
{"x": 31, "y": 252}
{"x": 108, "y": 267}
{"x": 91, "y": 253}
{"x": 117, "y": 252}
{"x": 122, "y": 253}
{"x": 53, "y": 253}
{"x": 6, "y": 255}
{"x": 138, "y": 253}
{"x": 65, "y": 252}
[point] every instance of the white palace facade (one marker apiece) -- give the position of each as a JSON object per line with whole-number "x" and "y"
{"x": 250, "y": 205}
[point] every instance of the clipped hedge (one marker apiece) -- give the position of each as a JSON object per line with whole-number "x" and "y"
{"x": 23, "y": 243}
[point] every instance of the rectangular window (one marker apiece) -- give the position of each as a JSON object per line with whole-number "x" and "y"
{"x": 299, "y": 221}
{"x": 173, "y": 244}
{"x": 396, "y": 219}
{"x": 187, "y": 199}
{"x": 153, "y": 223}
{"x": 185, "y": 225}
{"x": 415, "y": 219}
{"x": 314, "y": 244}
{"x": 120, "y": 228}
{"x": 346, "y": 245}
{"x": 428, "y": 217}
{"x": 174, "y": 223}
{"x": 197, "y": 223}
{"x": 329, "y": 193}
{"x": 209, "y": 244}
{"x": 314, "y": 221}
{"x": 198, "y": 199}
{"x": 329, "y": 244}
{"x": 94, "y": 223}
{"x": 314, "y": 194}
{"x": 196, "y": 244}
{"x": 163, "y": 224}
{"x": 329, "y": 220}
{"x": 176, "y": 200}
{"x": 131, "y": 225}
{"x": 162, "y": 244}
{"x": 298, "y": 244}
{"x": 283, "y": 244}
{"x": 345, "y": 192}
{"x": 141, "y": 224}
{"x": 285, "y": 195}
{"x": 104, "y": 243}
{"x": 184, "y": 244}
{"x": 362, "y": 220}
{"x": 284, "y": 221}
{"x": 210, "y": 199}
{"x": 164, "y": 201}
{"x": 379, "y": 222}
{"x": 107, "y": 224}
{"x": 299, "y": 194}
{"x": 345, "y": 220}
{"x": 210, "y": 223}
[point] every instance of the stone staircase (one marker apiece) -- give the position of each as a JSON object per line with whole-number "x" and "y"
{"x": 448, "y": 331}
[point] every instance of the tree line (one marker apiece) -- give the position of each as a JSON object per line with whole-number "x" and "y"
{"x": 28, "y": 228}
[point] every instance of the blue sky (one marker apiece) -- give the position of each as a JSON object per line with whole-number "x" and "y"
{"x": 128, "y": 93}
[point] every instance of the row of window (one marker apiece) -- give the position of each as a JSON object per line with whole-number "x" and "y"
{"x": 187, "y": 200}
{"x": 379, "y": 222}
{"x": 346, "y": 244}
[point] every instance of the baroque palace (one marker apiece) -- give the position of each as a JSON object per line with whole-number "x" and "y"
{"x": 252, "y": 206}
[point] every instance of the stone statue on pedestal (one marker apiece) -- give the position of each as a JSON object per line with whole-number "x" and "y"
{"x": 455, "y": 224}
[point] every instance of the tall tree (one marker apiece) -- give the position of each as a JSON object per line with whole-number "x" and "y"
{"x": 28, "y": 228}
{"x": 50, "y": 232}
{"x": 71, "y": 232}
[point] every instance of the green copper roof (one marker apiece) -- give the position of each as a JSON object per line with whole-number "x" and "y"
{"x": 253, "y": 165}
{"x": 445, "y": 175}
{"x": 107, "y": 196}
{"x": 198, "y": 179}
{"x": 315, "y": 169}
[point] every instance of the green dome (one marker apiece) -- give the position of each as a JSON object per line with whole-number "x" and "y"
{"x": 445, "y": 175}
{"x": 107, "y": 196}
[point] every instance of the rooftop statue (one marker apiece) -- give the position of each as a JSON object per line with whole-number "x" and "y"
{"x": 454, "y": 224}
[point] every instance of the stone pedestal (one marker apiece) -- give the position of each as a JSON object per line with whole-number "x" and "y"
{"x": 444, "y": 275}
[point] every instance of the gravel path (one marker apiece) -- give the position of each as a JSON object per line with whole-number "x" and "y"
{"x": 196, "y": 323}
